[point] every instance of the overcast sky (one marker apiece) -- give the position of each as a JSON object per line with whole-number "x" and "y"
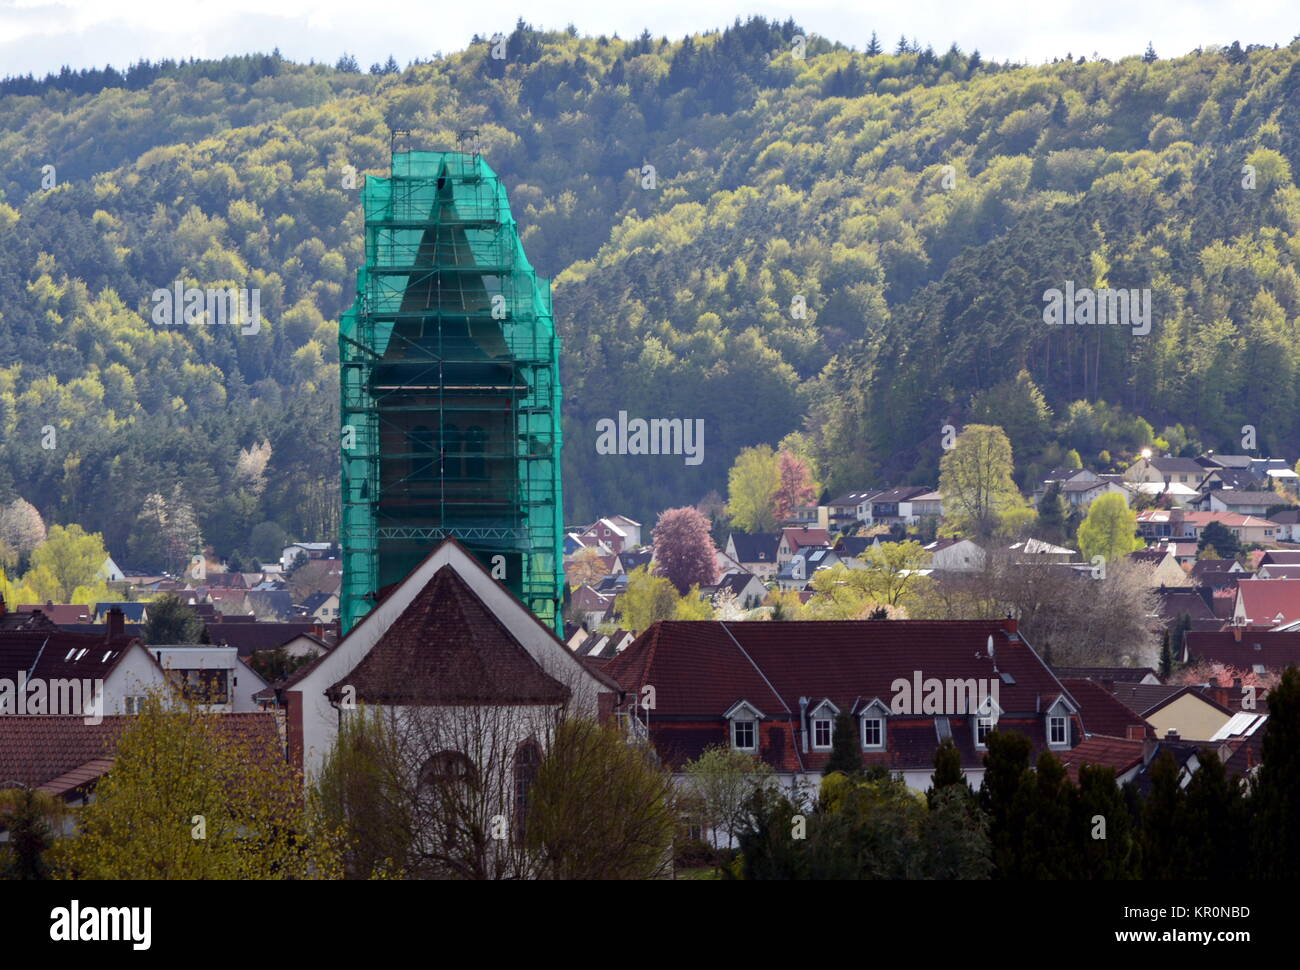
{"x": 42, "y": 35}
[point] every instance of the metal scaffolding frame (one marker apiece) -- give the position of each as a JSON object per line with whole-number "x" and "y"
{"x": 450, "y": 392}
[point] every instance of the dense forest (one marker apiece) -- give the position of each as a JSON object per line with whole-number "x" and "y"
{"x": 772, "y": 233}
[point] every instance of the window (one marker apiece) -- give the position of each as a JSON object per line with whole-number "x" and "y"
{"x": 1056, "y": 730}
{"x": 822, "y": 730}
{"x": 528, "y": 758}
{"x": 873, "y": 732}
{"x": 448, "y": 768}
{"x": 742, "y": 735}
{"x": 983, "y": 727}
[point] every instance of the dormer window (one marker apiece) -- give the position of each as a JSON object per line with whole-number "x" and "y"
{"x": 1058, "y": 723}
{"x": 872, "y": 719}
{"x": 823, "y": 725}
{"x": 744, "y": 718}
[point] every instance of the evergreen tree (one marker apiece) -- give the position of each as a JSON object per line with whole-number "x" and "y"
{"x": 1042, "y": 810}
{"x": 873, "y": 48}
{"x": 846, "y": 753}
{"x": 1164, "y": 823}
{"x": 23, "y": 813}
{"x": 1150, "y": 54}
{"x": 1276, "y": 796}
{"x": 1166, "y": 657}
{"x": 1005, "y": 765}
{"x": 171, "y": 621}
{"x": 1217, "y": 536}
{"x": 947, "y": 772}
{"x": 1217, "y": 822}
{"x": 1052, "y": 514}
{"x": 1103, "y": 827}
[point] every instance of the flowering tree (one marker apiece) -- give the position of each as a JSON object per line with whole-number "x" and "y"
{"x": 684, "y": 550}
{"x": 795, "y": 485}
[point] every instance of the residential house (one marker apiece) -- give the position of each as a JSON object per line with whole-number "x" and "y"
{"x": 1276, "y": 471}
{"x": 755, "y": 553}
{"x": 1040, "y": 551}
{"x": 1288, "y": 525}
{"x": 321, "y": 607}
{"x": 798, "y": 571}
{"x": 1081, "y": 492}
{"x": 1183, "y": 471}
{"x": 955, "y": 555}
{"x": 249, "y": 638}
{"x": 792, "y": 540}
{"x": 1182, "y": 524}
{"x": 1258, "y": 651}
{"x": 311, "y": 550}
{"x": 1266, "y": 603}
{"x": 1228, "y": 479}
{"x": 894, "y": 506}
{"x": 775, "y": 690}
{"x": 214, "y": 677}
{"x": 807, "y": 517}
{"x": 132, "y": 612}
{"x": 610, "y": 534}
{"x": 1182, "y": 709}
{"x": 747, "y": 589}
{"x": 60, "y": 614}
{"x": 1102, "y": 712}
{"x": 73, "y": 667}
{"x": 1241, "y": 502}
{"x": 1165, "y": 568}
{"x": 842, "y": 511}
{"x": 590, "y": 605}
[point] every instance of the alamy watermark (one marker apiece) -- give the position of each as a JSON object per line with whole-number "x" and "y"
{"x": 1099, "y": 307}
{"x": 78, "y": 697}
{"x": 657, "y": 436}
{"x": 951, "y": 696}
{"x": 237, "y": 306}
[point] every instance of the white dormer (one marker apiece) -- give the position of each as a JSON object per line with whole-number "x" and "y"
{"x": 985, "y": 720}
{"x": 822, "y": 725}
{"x": 1058, "y": 723}
{"x": 872, "y": 719}
{"x": 744, "y": 718}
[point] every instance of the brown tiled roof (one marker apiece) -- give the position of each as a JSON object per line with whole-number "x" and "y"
{"x": 1108, "y": 752}
{"x": 1102, "y": 712}
{"x": 53, "y": 750}
{"x": 248, "y": 638}
{"x": 1274, "y": 650}
{"x": 700, "y": 669}
{"x": 447, "y": 647}
{"x": 60, "y": 613}
{"x": 57, "y": 654}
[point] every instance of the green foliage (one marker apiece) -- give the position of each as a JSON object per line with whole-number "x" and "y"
{"x": 171, "y": 621}
{"x": 980, "y": 499}
{"x": 66, "y": 560}
{"x": 1216, "y": 538}
{"x": 1109, "y": 530}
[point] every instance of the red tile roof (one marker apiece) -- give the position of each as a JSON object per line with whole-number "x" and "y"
{"x": 55, "y": 654}
{"x": 60, "y": 613}
{"x": 1269, "y": 602}
{"x": 1103, "y": 713}
{"x": 699, "y": 669}
{"x": 1120, "y": 753}
{"x": 1275, "y": 651}
{"x": 54, "y": 751}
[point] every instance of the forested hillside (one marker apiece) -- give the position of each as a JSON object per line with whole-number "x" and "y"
{"x": 918, "y": 204}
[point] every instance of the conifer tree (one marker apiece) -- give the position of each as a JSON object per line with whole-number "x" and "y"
{"x": 846, "y": 755}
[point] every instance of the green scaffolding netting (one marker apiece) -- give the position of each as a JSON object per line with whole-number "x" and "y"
{"x": 449, "y": 373}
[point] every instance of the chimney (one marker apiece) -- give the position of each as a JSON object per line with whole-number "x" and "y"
{"x": 1011, "y": 625}
{"x": 1172, "y": 736}
{"x": 116, "y": 623}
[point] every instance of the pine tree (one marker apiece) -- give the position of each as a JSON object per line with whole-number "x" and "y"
{"x": 873, "y": 48}
{"x": 1150, "y": 54}
{"x": 1217, "y": 822}
{"x": 846, "y": 755}
{"x": 1166, "y": 657}
{"x": 1102, "y": 827}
